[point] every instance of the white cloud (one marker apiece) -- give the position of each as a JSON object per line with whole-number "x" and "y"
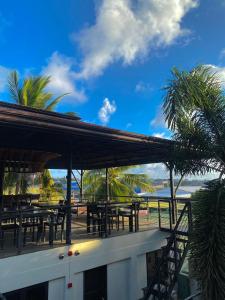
{"x": 126, "y": 30}
{"x": 222, "y": 54}
{"x": 60, "y": 68}
{"x": 159, "y": 134}
{"x": 159, "y": 120}
{"x": 128, "y": 125}
{"x": 108, "y": 108}
{"x": 142, "y": 87}
{"x": 4, "y": 73}
{"x": 155, "y": 170}
{"x": 163, "y": 135}
{"x": 220, "y": 71}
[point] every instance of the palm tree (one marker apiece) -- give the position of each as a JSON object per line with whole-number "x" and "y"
{"x": 32, "y": 92}
{"x": 194, "y": 108}
{"x": 121, "y": 183}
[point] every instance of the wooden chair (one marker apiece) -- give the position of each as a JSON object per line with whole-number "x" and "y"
{"x": 113, "y": 215}
{"x": 8, "y": 225}
{"x": 95, "y": 217}
{"x": 131, "y": 213}
{"x": 32, "y": 224}
{"x": 58, "y": 221}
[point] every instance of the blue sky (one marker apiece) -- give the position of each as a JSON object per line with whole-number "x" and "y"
{"x": 112, "y": 56}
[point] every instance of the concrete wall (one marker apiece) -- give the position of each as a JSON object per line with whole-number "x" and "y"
{"x": 123, "y": 255}
{"x": 118, "y": 280}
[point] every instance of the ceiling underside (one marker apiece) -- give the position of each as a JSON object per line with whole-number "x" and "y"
{"x": 91, "y": 146}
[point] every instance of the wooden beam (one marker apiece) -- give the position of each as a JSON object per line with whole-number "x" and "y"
{"x": 68, "y": 199}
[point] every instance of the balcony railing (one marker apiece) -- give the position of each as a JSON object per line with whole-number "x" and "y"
{"x": 40, "y": 226}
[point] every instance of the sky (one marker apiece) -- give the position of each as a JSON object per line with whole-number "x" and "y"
{"x": 113, "y": 57}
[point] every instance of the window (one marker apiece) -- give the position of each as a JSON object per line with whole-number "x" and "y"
{"x": 34, "y": 292}
{"x": 95, "y": 284}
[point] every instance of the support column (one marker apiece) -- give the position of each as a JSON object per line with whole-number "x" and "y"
{"x": 1, "y": 187}
{"x": 107, "y": 200}
{"x": 173, "y": 204}
{"x": 68, "y": 200}
{"x": 81, "y": 185}
{"x": 107, "y": 184}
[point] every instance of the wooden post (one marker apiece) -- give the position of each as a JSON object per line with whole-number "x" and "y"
{"x": 173, "y": 206}
{"x": 107, "y": 184}
{"x": 68, "y": 200}
{"x": 1, "y": 187}
{"x": 107, "y": 200}
{"x": 81, "y": 184}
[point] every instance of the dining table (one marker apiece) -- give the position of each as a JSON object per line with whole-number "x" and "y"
{"x": 124, "y": 210}
{"x": 20, "y": 216}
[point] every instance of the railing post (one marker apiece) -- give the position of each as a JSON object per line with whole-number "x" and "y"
{"x": 173, "y": 208}
{"x": 68, "y": 200}
{"x": 19, "y": 237}
{"x": 170, "y": 215}
{"x": 189, "y": 217}
{"x": 81, "y": 185}
{"x": 159, "y": 214}
{"x": 51, "y": 231}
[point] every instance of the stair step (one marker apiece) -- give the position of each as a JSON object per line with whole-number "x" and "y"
{"x": 176, "y": 249}
{"x": 172, "y": 259}
{"x": 180, "y": 232}
{"x": 156, "y": 293}
{"x": 181, "y": 240}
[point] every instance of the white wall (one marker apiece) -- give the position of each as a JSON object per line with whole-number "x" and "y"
{"x": 56, "y": 289}
{"x": 142, "y": 274}
{"x": 118, "y": 280}
{"x": 124, "y": 255}
{"x": 78, "y": 286}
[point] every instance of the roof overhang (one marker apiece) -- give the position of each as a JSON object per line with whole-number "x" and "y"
{"x": 92, "y": 146}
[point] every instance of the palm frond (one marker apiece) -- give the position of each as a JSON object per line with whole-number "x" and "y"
{"x": 13, "y": 85}
{"x": 51, "y": 106}
{"x": 207, "y": 241}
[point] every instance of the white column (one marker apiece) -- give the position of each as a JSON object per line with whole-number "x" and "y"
{"x": 56, "y": 289}
{"x": 133, "y": 286}
{"x": 78, "y": 286}
{"x": 141, "y": 274}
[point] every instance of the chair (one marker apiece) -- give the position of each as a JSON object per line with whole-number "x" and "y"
{"x": 30, "y": 223}
{"x": 113, "y": 215}
{"x": 58, "y": 221}
{"x": 131, "y": 213}
{"x": 95, "y": 216}
{"x": 8, "y": 224}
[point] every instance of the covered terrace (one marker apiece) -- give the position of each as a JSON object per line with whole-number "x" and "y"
{"x": 32, "y": 140}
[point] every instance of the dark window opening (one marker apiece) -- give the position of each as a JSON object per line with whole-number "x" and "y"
{"x": 151, "y": 261}
{"x": 34, "y": 292}
{"x": 95, "y": 284}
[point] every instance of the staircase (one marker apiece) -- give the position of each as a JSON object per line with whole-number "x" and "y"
{"x": 169, "y": 264}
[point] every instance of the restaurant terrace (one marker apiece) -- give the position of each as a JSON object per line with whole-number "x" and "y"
{"x": 33, "y": 140}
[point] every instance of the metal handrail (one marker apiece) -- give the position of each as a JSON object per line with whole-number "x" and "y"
{"x": 167, "y": 248}
{"x": 182, "y": 199}
{"x": 193, "y": 296}
{"x": 21, "y": 212}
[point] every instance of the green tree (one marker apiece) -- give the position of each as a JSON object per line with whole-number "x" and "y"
{"x": 194, "y": 108}
{"x": 121, "y": 183}
{"x": 31, "y": 92}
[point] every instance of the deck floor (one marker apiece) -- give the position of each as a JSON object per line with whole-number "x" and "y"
{"x": 79, "y": 234}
